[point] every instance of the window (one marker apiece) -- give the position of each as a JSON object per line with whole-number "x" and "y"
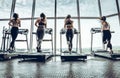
{"x": 5, "y": 8}
{"x": 89, "y": 8}
{"x": 65, "y": 7}
{"x": 108, "y": 7}
{"x": 45, "y": 6}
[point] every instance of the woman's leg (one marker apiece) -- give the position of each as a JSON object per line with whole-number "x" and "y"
{"x": 104, "y": 37}
{"x": 69, "y": 37}
{"x": 109, "y": 45}
{"x": 14, "y": 34}
{"x": 40, "y": 35}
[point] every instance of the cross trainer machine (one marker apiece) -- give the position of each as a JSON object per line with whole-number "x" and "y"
{"x": 48, "y": 31}
{"x": 5, "y": 43}
{"x": 62, "y": 32}
{"x": 102, "y": 53}
{"x": 6, "y": 38}
{"x": 70, "y": 55}
{"x": 41, "y": 56}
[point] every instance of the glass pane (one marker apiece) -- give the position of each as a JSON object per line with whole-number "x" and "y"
{"x": 5, "y": 8}
{"x": 86, "y": 34}
{"x": 65, "y": 7}
{"x": 45, "y": 6}
{"x": 114, "y": 24}
{"x": 108, "y": 7}
{"x": 23, "y": 8}
{"x": 119, "y": 3}
{"x": 89, "y": 8}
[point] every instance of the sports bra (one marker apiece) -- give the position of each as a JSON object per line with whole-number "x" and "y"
{"x": 41, "y": 24}
{"x": 68, "y": 23}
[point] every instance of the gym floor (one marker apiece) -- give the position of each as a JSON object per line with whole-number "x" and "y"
{"x": 93, "y": 67}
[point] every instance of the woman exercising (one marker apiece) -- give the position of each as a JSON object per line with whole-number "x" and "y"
{"x": 106, "y": 33}
{"x": 69, "y": 34}
{"x": 41, "y": 24}
{"x": 15, "y": 23}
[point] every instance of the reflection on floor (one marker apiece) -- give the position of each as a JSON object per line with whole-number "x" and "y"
{"x": 93, "y": 67}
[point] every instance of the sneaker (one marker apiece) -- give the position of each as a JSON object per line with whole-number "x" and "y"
{"x": 105, "y": 42}
{"x": 39, "y": 50}
{"x": 10, "y": 50}
{"x": 111, "y": 52}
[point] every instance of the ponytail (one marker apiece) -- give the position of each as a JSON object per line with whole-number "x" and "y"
{"x": 15, "y": 15}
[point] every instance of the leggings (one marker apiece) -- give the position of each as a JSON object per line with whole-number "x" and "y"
{"x": 40, "y": 35}
{"x": 14, "y": 34}
{"x": 69, "y": 36}
{"x": 107, "y": 37}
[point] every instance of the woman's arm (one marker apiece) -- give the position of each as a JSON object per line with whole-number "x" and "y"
{"x": 72, "y": 24}
{"x": 10, "y": 23}
{"x": 65, "y": 23}
{"x": 36, "y": 23}
{"x": 45, "y": 23}
{"x": 19, "y": 23}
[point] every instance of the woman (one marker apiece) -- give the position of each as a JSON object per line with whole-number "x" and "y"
{"x": 68, "y": 25}
{"x": 15, "y": 23}
{"x": 41, "y": 24}
{"x": 106, "y": 33}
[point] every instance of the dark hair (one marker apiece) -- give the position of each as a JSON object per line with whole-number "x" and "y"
{"x": 68, "y": 16}
{"x": 103, "y": 18}
{"x": 15, "y": 15}
{"x": 42, "y": 15}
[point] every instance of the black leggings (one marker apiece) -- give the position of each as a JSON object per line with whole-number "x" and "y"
{"x": 14, "y": 34}
{"x": 40, "y": 35}
{"x": 107, "y": 37}
{"x": 69, "y": 36}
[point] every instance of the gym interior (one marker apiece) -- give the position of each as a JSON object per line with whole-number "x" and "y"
{"x": 88, "y": 58}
